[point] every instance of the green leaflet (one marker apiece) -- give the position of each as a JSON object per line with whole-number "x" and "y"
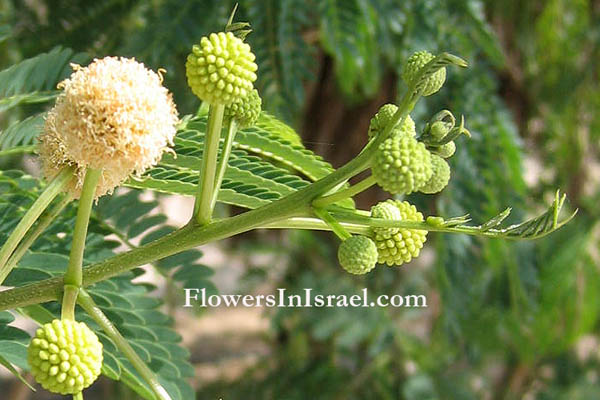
{"x": 270, "y": 145}
{"x": 264, "y": 164}
{"x": 284, "y": 68}
{"x": 128, "y": 305}
{"x": 175, "y": 181}
{"x": 22, "y": 133}
{"x": 127, "y": 216}
{"x": 347, "y": 34}
{"x": 263, "y": 167}
{"x": 269, "y": 123}
{"x": 13, "y": 346}
{"x": 34, "y": 80}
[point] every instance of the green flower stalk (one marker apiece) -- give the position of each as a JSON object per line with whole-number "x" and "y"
{"x": 220, "y": 71}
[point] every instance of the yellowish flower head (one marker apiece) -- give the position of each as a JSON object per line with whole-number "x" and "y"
{"x": 114, "y": 115}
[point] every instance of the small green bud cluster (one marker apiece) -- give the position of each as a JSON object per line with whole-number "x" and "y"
{"x": 65, "y": 356}
{"x": 384, "y": 116}
{"x": 399, "y": 246}
{"x": 221, "y": 70}
{"x": 445, "y": 151}
{"x": 440, "y": 133}
{"x": 401, "y": 165}
{"x": 412, "y": 67}
{"x": 357, "y": 255}
{"x": 245, "y": 111}
{"x": 386, "y": 210}
{"x": 439, "y": 178}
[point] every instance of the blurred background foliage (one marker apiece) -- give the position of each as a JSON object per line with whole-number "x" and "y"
{"x": 505, "y": 320}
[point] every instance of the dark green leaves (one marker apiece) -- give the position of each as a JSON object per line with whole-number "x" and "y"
{"x": 266, "y": 164}
{"x": 130, "y": 306}
{"x": 34, "y": 80}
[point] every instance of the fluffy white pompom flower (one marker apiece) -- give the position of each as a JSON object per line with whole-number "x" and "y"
{"x": 113, "y": 115}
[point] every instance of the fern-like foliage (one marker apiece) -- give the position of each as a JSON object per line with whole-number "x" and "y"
{"x": 34, "y": 80}
{"x": 263, "y": 166}
{"x": 134, "y": 221}
{"x": 347, "y": 34}
{"x": 284, "y": 56}
{"x": 80, "y": 23}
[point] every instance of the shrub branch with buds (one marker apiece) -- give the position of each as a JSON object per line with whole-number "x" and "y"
{"x": 114, "y": 119}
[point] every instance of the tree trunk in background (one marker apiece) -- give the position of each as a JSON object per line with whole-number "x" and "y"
{"x": 336, "y": 130}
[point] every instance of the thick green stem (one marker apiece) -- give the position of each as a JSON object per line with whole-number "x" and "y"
{"x": 206, "y": 182}
{"x": 335, "y": 226}
{"x": 88, "y": 304}
{"x": 69, "y": 301}
{"x": 223, "y": 160}
{"x": 44, "y": 221}
{"x": 296, "y": 204}
{"x": 317, "y": 224}
{"x": 52, "y": 190}
{"x": 345, "y": 193}
{"x": 78, "y": 396}
{"x": 73, "y": 275}
{"x": 188, "y": 237}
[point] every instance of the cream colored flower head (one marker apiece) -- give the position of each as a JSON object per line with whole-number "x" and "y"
{"x": 114, "y": 115}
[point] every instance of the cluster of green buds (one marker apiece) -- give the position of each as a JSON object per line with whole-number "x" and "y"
{"x": 221, "y": 71}
{"x": 404, "y": 162}
{"x": 391, "y": 246}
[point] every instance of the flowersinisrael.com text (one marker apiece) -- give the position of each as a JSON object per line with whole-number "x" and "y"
{"x": 195, "y": 297}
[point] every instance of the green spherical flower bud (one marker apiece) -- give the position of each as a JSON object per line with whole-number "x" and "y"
{"x": 440, "y": 177}
{"x": 438, "y": 130}
{"x": 383, "y": 117}
{"x": 65, "y": 356}
{"x": 405, "y": 244}
{"x": 415, "y": 63}
{"x": 446, "y": 150}
{"x": 401, "y": 165}
{"x": 245, "y": 111}
{"x": 358, "y": 255}
{"x": 221, "y": 69}
{"x": 386, "y": 210}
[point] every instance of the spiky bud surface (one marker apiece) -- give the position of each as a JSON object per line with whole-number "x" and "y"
{"x": 405, "y": 244}
{"x": 386, "y": 210}
{"x": 401, "y": 164}
{"x": 245, "y": 111}
{"x": 414, "y": 63}
{"x": 440, "y": 177}
{"x": 221, "y": 68}
{"x": 65, "y": 356}
{"x": 446, "y": 150}
{"x": 358, "y": 255}
{"x": 113, "y": 115}
{"x": 383, "y": 117}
